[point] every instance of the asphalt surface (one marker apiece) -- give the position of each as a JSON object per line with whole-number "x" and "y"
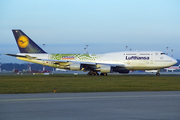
{"x": 91, "y": 106}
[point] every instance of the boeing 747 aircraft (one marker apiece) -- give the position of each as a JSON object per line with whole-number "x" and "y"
{"x": 121, "y": 62}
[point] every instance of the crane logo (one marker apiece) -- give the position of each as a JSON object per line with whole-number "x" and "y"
{"x": 23, "y": 41}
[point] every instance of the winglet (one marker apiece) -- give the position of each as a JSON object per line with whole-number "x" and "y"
{"x": 25, "y": 44}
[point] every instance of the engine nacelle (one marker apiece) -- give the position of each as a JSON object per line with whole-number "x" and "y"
{"x": 124, "y": 71}
{"x": 120, "y": 70}
{"x": 105, "y": 69}
{"x": 75, "y": 66}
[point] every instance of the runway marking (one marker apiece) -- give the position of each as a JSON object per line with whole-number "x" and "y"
{"x": 97, "y": 97}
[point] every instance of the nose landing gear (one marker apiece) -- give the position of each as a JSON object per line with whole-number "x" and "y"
{"x": 158, "y": 74}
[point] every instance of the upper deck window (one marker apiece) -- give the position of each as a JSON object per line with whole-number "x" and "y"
{"x": 131, "y": 54}
{"x": 162, "y": 53}
{"x": 144, "y": 54}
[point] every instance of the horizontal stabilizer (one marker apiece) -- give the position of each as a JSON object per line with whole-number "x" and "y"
{"x": 15, "y": 55}
{"x": 26, "y": 56}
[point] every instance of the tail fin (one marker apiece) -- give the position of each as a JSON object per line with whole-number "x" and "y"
{"x": 25, "y": 44}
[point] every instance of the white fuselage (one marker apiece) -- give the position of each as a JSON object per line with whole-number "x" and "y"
{"x": 135, "y": 60}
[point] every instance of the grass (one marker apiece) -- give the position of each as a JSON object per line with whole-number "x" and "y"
{"x": 83, "y": 83}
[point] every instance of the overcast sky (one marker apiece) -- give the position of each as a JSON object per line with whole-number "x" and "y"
{"x": 67, "y": 26}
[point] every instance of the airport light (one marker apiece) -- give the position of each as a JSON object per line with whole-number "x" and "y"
{"x": 126, "y": 47}
{"x": 29, "y": 65}
{"x": 86, "y": 49}
{"x": 167, "y": 50}
{"x": 172, "y": 52}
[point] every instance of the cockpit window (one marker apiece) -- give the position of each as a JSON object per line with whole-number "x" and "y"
{"x": 162, "y": 53}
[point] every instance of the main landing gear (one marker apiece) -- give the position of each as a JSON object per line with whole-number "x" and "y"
{"x": 103, "y": 74}
{"x": 94, "y": 73}
{"x": 158, "y": 74}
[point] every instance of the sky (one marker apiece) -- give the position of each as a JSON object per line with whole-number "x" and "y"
{"x": 67, "y": 26}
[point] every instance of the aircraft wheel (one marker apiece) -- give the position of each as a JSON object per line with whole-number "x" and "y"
{"x": 103, "y": 74}
{"x": 157, "y": 74}
{"x": 93, "y": 73}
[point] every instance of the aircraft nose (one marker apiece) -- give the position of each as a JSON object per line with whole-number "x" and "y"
{"x": 174, "y": 61}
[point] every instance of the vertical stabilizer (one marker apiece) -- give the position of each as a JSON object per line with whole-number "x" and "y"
{"x": 25, "y": 44}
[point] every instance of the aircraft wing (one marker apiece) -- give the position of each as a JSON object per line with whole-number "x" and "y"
{"x": 85, "y": 63}
{"x": 87, "y": 66}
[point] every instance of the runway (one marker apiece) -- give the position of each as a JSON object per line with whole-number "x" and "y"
{"x": 91, "y": 106}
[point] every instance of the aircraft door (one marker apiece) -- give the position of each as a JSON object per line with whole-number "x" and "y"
{"x": 151, "y": 60}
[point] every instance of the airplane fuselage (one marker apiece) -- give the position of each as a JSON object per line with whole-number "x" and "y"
{"x": 131, "y": 60}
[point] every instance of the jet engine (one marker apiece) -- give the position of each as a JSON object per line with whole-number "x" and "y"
{"x": 105, "y": 69}
{"x": 75, "y": 66}
{"x": 123, "y": 71}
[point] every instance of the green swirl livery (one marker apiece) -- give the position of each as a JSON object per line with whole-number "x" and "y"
{"x": 75, "y": 57}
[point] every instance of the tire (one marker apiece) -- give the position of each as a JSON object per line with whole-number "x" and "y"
{"x": 157, "y": 74}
